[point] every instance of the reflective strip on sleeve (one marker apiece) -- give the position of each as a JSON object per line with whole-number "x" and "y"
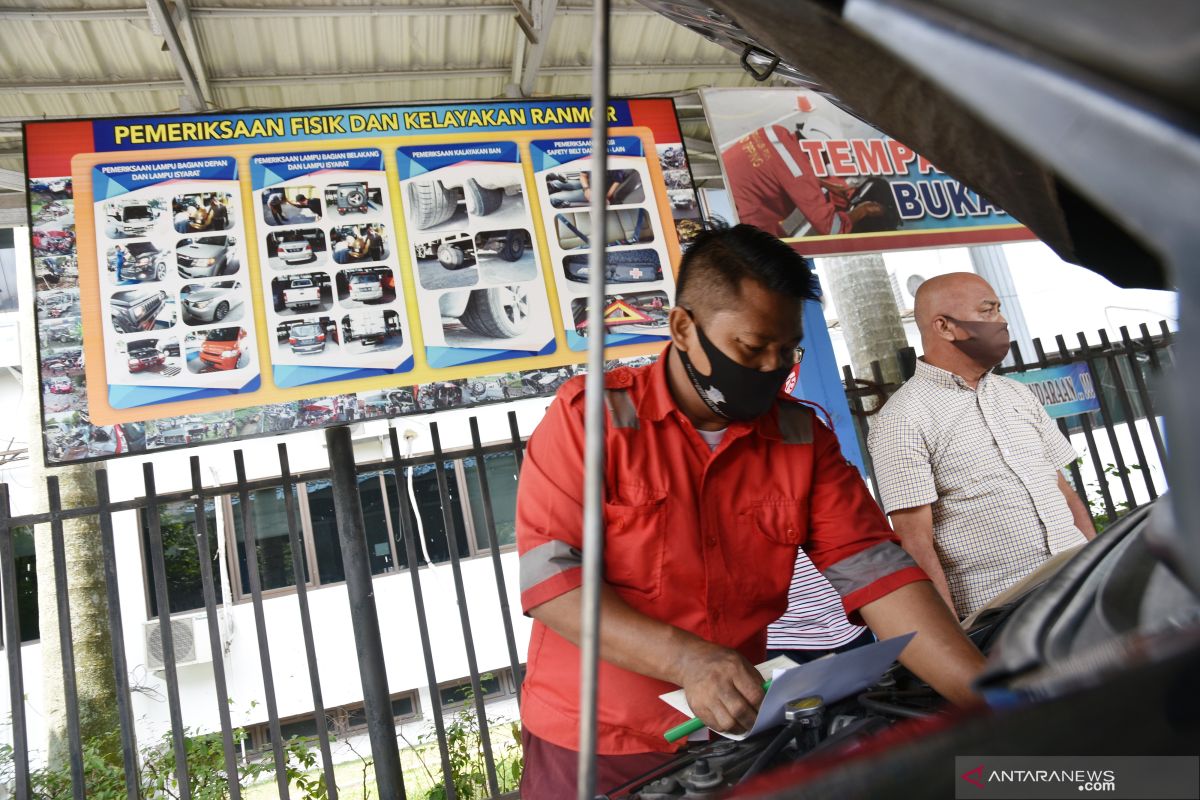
{"x": 836, "y": 227}
{"x": 547, "y": 560}
{"x": 857, "y": 572}
{"x": 621, "y": 408}
{"x": 795, "y": 423}
{"x": 788, "y": 161}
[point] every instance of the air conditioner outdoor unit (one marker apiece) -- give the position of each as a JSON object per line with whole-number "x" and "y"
{"x": 189, "y": 636}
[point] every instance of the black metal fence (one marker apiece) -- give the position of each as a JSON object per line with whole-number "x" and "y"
{"x": 1125, "y": 375}
{"x": 149, "y": 504}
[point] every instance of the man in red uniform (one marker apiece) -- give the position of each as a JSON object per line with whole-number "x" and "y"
{"x": 774, "y": 187}
{"x": 712, "y": 481}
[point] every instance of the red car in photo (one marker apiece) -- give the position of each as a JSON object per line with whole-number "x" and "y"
{"x": 222, "y": 348}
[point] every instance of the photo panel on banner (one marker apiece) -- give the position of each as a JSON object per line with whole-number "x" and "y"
{"x": 174, "y": 293}
{"x": 329, "y": 266}
{"x": 481, "y": 295}
{"x": 639, "y": 284}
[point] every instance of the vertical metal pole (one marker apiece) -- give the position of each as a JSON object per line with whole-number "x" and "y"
{"x": 1106, "y": 414}
{"x": 1110, "y": 509}
{"x": 63, "y": 603}
{"x": 12, "y": 650}
{"x": 250, "y": 541}
{"x": 158, "y": 569}
{"x": 1114, "y": 366}
{"x": 485, "y": 738}
{"x": 117, "y": 629}
{"x": 489, "y": 519}
{"x": 216, "y": 646}
{"x": 593, "y": 486}
{"x": 1139, "y": 381}
{"x": 1063, "y": 428}
{"x": 515, "y": 434}
{"x": 410, "y": 548}
{"x": 306, "y": 632}
{"x": 364, "y": 617}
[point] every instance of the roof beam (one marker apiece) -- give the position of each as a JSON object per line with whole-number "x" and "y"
{"x": 162, "y": 19}
{"x": 340, "y": 11}
{"x": 184, "y": 15}
{"x": 172, "y": 84}
{"x": 535, "y": 52}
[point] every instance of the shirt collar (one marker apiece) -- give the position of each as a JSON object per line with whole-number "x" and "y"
{"x": 656, "y": 402}
{"x": 941, "y": 377}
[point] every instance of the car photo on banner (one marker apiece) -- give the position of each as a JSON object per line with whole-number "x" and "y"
{"x": 315, "y": 274}
{"x": 479, "y": 287}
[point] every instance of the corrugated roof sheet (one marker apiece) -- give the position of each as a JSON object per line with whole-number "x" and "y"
{"x": 58, "y": 61}
{"x": 53, "y": 66}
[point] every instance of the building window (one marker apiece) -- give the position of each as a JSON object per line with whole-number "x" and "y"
{"x": 458, "y": 693}
{"x": 323, "y": 527}
{"x": 429, "y": 507}
{"x": 384, "y": 498}
{"x": 25, "y": 564}
{"x": 341, "y": 721}
{"x": 269, "y": 513}
{"x": 501, "y": 471}
{"x": 177, "y": 521}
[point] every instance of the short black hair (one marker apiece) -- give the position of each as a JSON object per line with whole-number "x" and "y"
{"x": 713, "y": 268}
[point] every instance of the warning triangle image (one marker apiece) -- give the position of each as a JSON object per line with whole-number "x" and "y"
{"x": 620, "y": 312}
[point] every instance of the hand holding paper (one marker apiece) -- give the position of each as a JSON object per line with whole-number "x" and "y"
{"x": 832, "y": 678}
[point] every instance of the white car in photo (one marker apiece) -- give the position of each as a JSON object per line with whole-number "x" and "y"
{"x": 365, "y": 287}
{"x": 213, "y": 303}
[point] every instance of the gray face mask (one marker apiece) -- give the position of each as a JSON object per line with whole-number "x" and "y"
{"x": 733, "y": 391}
{"x": 987, "y": 344}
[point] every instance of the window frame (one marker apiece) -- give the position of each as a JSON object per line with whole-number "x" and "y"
{"x": 223, "y": 500}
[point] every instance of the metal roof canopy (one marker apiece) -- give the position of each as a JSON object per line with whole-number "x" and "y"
{"x": 69, "y": 59}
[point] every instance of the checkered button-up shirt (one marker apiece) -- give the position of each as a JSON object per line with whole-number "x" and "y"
{"x": 987, "y": 461}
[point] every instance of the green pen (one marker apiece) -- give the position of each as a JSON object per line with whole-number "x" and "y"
{"x": 692, "y": 725}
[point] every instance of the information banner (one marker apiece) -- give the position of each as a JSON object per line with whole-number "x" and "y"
{"x": 249, "y": 274}
{"x": 1065, "y": 390}
{"x": 799, "y": 167}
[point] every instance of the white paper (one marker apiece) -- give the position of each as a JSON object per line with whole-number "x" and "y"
{"x": 832, "y": 678}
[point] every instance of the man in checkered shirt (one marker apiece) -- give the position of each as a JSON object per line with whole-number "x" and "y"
{"x": 968, "y": 462}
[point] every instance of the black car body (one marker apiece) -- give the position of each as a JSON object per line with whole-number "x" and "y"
{"x": 136, "y": 309}
{"x": 145, "y": 262}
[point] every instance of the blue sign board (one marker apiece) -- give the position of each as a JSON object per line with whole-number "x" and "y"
{"x": 1065, "y": 390}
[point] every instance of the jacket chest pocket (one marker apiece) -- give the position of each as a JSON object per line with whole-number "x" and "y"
{"x": 634, "y": 539}
{"x": 771, "y": 530}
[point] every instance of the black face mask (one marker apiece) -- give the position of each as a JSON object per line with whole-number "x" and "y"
{"x": 988, "y": 344}
{"x": 733, "y": 391}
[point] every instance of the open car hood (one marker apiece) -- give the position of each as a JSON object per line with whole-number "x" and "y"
{"x": 847, "y": 51}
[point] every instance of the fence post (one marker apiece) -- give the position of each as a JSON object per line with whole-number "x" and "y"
{"x": 364, "y": 617}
